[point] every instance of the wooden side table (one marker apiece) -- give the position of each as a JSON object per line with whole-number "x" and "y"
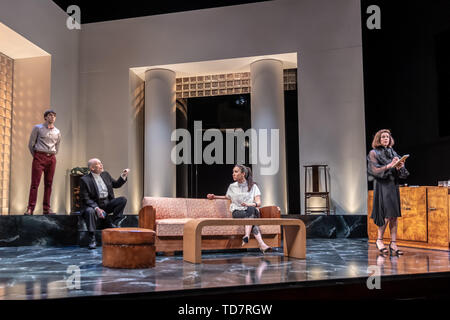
{"x": 128, "y": 248}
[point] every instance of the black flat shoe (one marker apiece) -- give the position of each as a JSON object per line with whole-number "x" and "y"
{"x": 92, "y": 245}
{"x": 268, "y": 249}
{"x": 111, "y": 224}
{"x": 118, "y": 222}
{"x": 382, "y": 251}
{"x": 394, "y": 252}
{"x": 244, "y": 241}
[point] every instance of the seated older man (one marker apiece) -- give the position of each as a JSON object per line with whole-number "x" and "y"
{"x": 97, "y": 198}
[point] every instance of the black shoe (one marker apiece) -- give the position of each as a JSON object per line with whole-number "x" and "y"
{"x": 112, "y": 225}
{"x": 268, "y": 249}
{"x": 394, "y": 252}
{"x": 244, "y": 241}
{"x": 92, "y": 243}
{"x": 383, "y": 251}
{"x": 119, "y": 221}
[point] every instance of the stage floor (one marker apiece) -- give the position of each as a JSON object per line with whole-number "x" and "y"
{"x": 34, "y": 272}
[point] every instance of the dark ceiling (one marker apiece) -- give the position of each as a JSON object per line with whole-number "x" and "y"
{"x": 102, "y": 10}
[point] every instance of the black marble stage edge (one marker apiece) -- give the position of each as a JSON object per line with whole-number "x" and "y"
{"x": 54, "y": 230}
{"x": 67, "y": 230}
{"x": 427, "y": 286}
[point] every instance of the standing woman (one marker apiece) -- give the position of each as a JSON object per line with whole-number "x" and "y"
{"x": 245, "y": 199}
{"x": 386, "y": 195}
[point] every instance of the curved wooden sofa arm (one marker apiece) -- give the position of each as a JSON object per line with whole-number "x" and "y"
{"x": 147, "y": 218}
{"x": 270, "y": 212}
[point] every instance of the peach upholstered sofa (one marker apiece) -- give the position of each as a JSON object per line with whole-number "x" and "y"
{"x": 167, "y": 217}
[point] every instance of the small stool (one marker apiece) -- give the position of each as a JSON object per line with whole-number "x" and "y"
{"x": 128, "y": 248}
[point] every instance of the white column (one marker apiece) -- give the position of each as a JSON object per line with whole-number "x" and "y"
{"x": 267, "y": 110}
{"x": 160, "y": 121}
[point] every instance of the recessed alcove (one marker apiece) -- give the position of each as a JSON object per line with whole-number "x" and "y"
{"x": 218, "y": 84}
{"x": 26, "y": 78}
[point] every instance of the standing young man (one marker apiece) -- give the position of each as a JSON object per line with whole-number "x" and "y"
{"x": 44, "y": 144}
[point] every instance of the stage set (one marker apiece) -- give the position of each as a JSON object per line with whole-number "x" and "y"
{"x": 299, "y": 85}
{"x": 41, "y": 260}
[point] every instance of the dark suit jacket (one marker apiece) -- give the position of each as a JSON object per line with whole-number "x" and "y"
{"x": 89, "y": 195}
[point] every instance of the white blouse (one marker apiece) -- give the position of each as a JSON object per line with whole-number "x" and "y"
{"x": 238, "y": 193}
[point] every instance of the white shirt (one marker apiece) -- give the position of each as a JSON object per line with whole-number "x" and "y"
{"x": 238, "y": 193}
{"x": 101, "y": 186}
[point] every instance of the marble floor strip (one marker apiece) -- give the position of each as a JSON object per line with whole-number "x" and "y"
{"x": 42, "y": 272}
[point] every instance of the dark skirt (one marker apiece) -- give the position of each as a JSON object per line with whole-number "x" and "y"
{"x": 250, "y": 212}
{"x": 386, "y": 201}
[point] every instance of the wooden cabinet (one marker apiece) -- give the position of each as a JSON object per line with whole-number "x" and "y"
{"x": 425, "y": 218}
{"x": 438, "y": 216}
{"x": 413, "y": 223}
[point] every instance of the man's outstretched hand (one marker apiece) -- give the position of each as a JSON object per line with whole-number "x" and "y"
{"x": 125, "y": 173}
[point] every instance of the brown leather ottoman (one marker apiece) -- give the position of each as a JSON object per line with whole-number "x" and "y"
{"x": 128, "y": 248}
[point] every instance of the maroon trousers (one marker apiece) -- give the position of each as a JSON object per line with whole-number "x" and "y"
{"x": 42, "y": 162}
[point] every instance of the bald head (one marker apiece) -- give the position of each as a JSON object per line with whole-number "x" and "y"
{"x": 95, "y": 165}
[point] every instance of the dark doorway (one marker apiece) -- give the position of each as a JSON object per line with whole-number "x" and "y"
{"x": 233, "y": 112}
{"x": 292, "y": 151}
{"x": 182, "y": 169}
{"x": 216, "y": 112}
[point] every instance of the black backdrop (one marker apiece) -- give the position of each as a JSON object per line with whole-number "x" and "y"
{"x": 407, "y": 83}
{"x": 233, "y": 111}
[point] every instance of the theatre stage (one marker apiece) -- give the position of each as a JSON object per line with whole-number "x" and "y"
{"x": 334, "y": 269}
